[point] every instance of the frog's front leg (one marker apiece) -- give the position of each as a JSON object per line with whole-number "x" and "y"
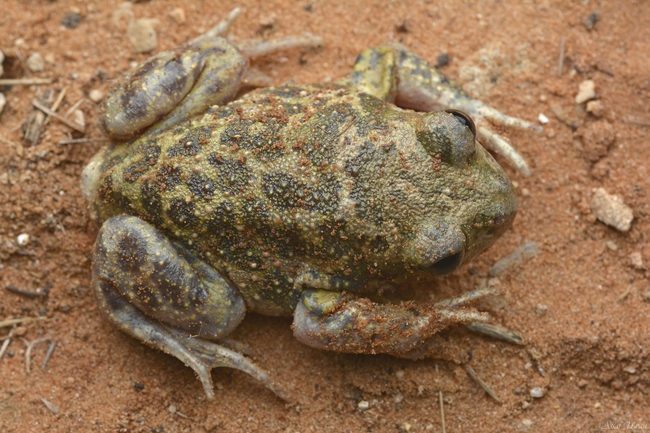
{"x": 345, "y": 323}
{"x": 394, "y": 73}
{"x": 164, "y": 296}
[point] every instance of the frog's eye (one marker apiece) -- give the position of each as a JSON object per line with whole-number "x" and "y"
{"x": 449, "y": 135}
{"x": 464, "y": 119}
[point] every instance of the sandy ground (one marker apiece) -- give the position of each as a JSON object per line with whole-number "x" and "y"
{"x": 582, "y": 303}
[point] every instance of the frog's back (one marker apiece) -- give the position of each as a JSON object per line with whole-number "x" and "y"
{"x": 268, "y": 170}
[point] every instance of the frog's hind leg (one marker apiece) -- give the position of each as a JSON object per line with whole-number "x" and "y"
{"x": 344, "y": 323}
{"x": 164, "y": 296}
{"x": 395, "y": 74}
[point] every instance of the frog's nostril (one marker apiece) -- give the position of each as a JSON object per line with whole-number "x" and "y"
{"x": 447, "y": 264}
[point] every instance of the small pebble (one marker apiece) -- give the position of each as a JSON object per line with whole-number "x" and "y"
{"x": 172, "y": 409}
{"x": 2, "y": 59}
{"x": 526, "y": 422}
{"x": 363, "y": 405}
{"x": 537, "y": 392}
{"x": 443, "y": 60}
{"x": 178, "y": 15}
{"x": 71, "y": 20}
{"x": 582, "y": 383}
{"x": 96, "y": 95}
{"x": 586, "y": 91}
{"x": 597, "y": 138}
{"x": 542, "y": 119}
{"x": 78, "y": 116}
{"x": 3, "y": 102}
{"x": 36, "y": 62}
{"x": 611, "y": 210}
{"x": 142, "y": 34}
{"x": 611, "y": 245}
{"x": 525, "y": 192}
{"x": 630, "y": 370}
{"x": 636, "y": 260}
{"x": 591, "y": 20}
{"x": 596, "y": 108}
{"x": 22, "y": 239}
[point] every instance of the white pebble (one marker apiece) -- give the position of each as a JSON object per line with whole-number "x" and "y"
{"x": 363, "y": 405}
{"x": 78, "y": 116}
{"x": 611, "y": 210}
{"x": 586, "y": 91}
{"x": 36, "y": 62}
{"x": 142, "y": 34}
{"x": 3, "y": 102}
{"x": 96, "y": 95}
{"x": 2, "y": 59}
{"x": 537, "y": 392}
{"x": 542, "y": 119}
{"x": 22, "y": 239}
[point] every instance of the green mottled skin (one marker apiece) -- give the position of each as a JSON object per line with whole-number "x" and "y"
{"x": 323, "y": 179}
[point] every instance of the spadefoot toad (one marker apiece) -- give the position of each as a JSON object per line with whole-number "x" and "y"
{"x": 307, "y": 200}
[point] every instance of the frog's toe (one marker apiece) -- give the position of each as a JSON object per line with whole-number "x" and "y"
{"x": 252, "y": 48}
{"x": 213, "y": 355}
{"x": 498, "y": 144}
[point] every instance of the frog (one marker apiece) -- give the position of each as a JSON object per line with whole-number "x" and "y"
{"x": 312, "y": 201}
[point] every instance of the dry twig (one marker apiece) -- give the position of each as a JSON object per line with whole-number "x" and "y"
{"x": 19, "y": 291}
{"x": 28, "y": 353}
{"x": 84, "y": 140}
{"x": 71, "y": 123}
{"x": 560, "y": 61}
{"x": 24, "y": 81}
{"x": 48, "y": 354}
{"x": 21, "y": 320}
{"x": 56, "y": 104}
{"x": 483, "y": 385}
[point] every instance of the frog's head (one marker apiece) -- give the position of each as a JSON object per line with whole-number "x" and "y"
{"x": 471, "y": 201}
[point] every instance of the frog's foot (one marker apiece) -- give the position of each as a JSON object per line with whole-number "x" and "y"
{"x": 342, "y": 323}
{"x": 393, "y": 73}
{"x": 160, "y": 294}
{"x": 211, "y": 355}
{"x": 252, "y": 48}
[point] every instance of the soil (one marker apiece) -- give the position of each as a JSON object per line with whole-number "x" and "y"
{"x": 582, "y": 303}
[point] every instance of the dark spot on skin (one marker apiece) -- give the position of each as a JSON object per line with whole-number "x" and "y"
{"x": 284, "y": 191}
{"x": 324, "y": 196}
{"x": 107, "y": 194}
{"x": 181, "y": 212}
{"x": 131, "y": 252}
{"x": 201, "y": 186}
{"x": 221, "y": 227}
{"x": 111, "y": 296}
{"x": 149, "y": 154}
{"x": 152, "y": 203}
{"x": 379, "y": 244}
{"x": 168, "y": 177}
{"x": 191, "y": 142}
{"x": 261, "y": 134}
{"x": 232, "y": 175}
